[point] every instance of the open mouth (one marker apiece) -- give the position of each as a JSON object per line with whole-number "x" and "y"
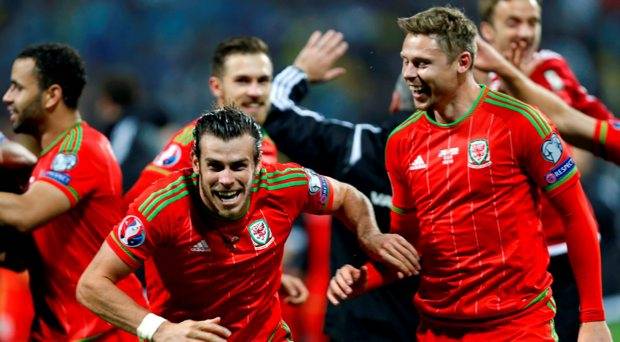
{"x": 228, "y": 197}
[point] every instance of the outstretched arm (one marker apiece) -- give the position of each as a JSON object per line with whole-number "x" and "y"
{"x": 356, "y": 212}
{"x": 576, "y": 127}
{"x": 97, "y": 291}
{"x": 14, "y": 155}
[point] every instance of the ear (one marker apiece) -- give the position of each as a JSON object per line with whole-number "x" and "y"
{"x": 465, "y": 61}
{"x": 52, "y": 96}
{"x": 487, "y": 32}
{"x": 195, "y": 162}
{"x": 215, "y": 85}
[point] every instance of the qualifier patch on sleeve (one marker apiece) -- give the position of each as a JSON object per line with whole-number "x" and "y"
{"x": 60, "y": 177}
{"x": 560, "y": 171}
{"x": 169, "y": 157}
{"x": 318, "y": 186}
{"x": 552, "y": 149}
{"x": 64, "y": 162}
{"x": 131, "y": 231}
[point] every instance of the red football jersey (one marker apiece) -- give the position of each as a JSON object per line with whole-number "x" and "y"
{"x": 200, "y": 267}
{"x": 80, "y": 163}
{"x": 552, "y": 71}
{"x": 471, "y": 187}
{"x": 176, "y": 155}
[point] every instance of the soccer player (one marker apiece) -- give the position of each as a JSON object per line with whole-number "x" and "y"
{"x": 601, "y": 137}
{"x": 514, "y": 27}
{"x": 73, "y": 199}
{"x": 212, "y": 239}
{"x": 352, "y": 153}
{"x": 465, "y": 170}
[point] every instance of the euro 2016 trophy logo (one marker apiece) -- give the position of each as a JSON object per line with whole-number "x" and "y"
{"x": 131, "y": 231}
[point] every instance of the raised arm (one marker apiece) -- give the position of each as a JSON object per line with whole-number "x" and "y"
{"x": 576, "y": 127}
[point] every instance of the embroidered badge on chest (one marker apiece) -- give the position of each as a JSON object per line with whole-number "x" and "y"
{"x": 478, "y": 154}
{"x": 260, "y": 234}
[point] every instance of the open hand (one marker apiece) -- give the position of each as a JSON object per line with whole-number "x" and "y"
{"x": 317, "y": 58}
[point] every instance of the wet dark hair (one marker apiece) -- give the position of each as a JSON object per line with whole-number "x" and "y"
{"x": 227, "y": 123}
{"x": 237, "y": 45}
{"x": 58, "y": 64}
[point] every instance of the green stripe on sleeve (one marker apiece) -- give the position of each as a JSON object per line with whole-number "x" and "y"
{"x": 78, "y": 141}
{"x": 279, "y": 186}
{"x": 120, "y": 244}
{"x": 413, "y": 118}
{"x": 165, "y": 204}
{"x": 542, "y": 133}
{"x": 158, "y": 192}
{"x": 531, "y": 110}
{"x": 280, "y": 178}
{"x": 563, "y": 180}
{"x": 602, "y": 137}
{"x": 161, "y": 197}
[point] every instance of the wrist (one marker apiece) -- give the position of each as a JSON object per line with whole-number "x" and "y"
{"x": 149, "y": 326}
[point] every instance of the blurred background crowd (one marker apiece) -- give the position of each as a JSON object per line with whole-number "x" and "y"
{"x": 148, "y": 66}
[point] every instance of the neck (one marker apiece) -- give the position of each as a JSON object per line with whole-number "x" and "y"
{"x": 459, "y": 103}
{"x": 57, "y": 122}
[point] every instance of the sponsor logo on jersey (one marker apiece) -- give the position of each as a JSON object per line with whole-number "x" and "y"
{"x": 314, "y": 184}
{"x": 169, "y": 157}
{"x": 64, "y": 162}
{"x": 201, "y": 247}
{"x": 552, "y": 149}
{"x": 131, "y": 231}
{"x": 417, "y": 164}
{"x": 60, "y": 177}
{"x": 448, "y": 155}
{"x": 260, "y": 234}
{"x": 478, "y": 154}
{"x": 560, "y": 171}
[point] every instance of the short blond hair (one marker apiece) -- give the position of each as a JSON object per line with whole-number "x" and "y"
{"x": 453, "y": 31}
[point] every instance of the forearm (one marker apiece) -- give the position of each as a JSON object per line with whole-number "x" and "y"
{"x": 104, "y": 298}
{"x": 583, "y": 250}
{"x": 13, "y": 213}
{"x": 357, "y": 213}
{"x": 576, "y": 127}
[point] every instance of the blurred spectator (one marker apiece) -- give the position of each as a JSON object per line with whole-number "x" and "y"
{"x": 134, "y": 141}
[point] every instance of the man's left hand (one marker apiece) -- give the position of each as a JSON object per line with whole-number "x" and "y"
{"x": 394, "y": 251}
{"x": 295, "y": 292}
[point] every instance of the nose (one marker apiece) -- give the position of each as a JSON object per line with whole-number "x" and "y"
{"x": 226, "y": 178}
{"x": 7, "y": 98}
{"x": 525, "y": 31}
{"x": 409, "y": 72}
{"x": 255, "y": 90}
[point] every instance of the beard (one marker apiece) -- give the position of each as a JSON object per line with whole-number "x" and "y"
{"x": 29, "y": 117}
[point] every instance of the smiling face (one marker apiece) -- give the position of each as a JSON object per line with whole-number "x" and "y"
{"x": 427, "y": 70}
{"x": 514, "y": 21}
{"x": 226, "y": 170}
{"x": 23, "y": 99}
{"x": 245, "y": 83}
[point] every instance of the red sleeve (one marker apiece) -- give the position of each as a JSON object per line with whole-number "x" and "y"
{"x": 556, "y": 75}
{"x": 607, "y": 140}
{"x": 320, "y": 193}
{"x": 78, "y": 174}
{"x": 583, "y": 249}
{"x": 544, "y": 155}
{"x": 176, "y": 155}
{"x": 135, "y": 237}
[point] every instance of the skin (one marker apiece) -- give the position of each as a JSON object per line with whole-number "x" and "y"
{"x": 222, "y": 165}
{"x": 245, "y": 83}
{"x": 515, "y": 22}
{"x": 444, "y": 88}
{"x": 42, "y": 113}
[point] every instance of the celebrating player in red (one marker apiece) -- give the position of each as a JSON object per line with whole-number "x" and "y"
{"x": 465, "y": 171}
{"x": 73, "y": 198}
{"x": 212, "y": 239}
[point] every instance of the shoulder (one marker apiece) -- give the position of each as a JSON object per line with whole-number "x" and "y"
{"x": 84, "y": 143}
{"x": 185, "y": 135}
{"x": 406, "y": 125}
{"x": 277, "y": 178}
{"x": 167, "y": 195}
{"x": 516, "y": 113}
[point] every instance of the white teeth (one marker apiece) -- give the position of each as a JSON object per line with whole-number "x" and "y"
{"x": 227, "y": 195}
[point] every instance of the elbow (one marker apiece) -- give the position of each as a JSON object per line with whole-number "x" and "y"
{"x": 22, "y": 224}
{"x": 84, "y": 290}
